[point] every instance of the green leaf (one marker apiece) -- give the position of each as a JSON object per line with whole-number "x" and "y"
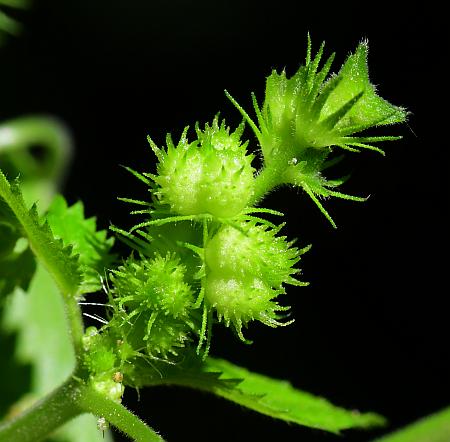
{"x": 370, "y": 110}
{"x": 70, "y": 224}
{"x": 38, "y": 318}
{"x": 7, "y": 24}
{"x": 58, "y": 260}
{"x": 17, "y": 263}
{"x": 15, "y": 3}
{"x": 433, "y": 428}
{"x": 15, "y": 375}
{"x": 272, "y": 397}
{"x": 278, "y": 399}
{"x": 16, "y": 271}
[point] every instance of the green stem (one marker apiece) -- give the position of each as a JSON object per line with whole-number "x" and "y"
{"x": 16, "y": 138}
{"x": 38, "y": 240}
{"x": 266, "y": 180}
{"x": 66, "y": 402}
{"x": 76, "y": 326}
{"x": 118, "y": 416}
{"x": 45, "y": 416}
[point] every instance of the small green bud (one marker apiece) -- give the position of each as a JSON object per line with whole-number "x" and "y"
{"x": 210, "y": 175}
{"x": 109, "y": 388}
{"x": 89, "y": 337}
{"x": 100, "y": 355}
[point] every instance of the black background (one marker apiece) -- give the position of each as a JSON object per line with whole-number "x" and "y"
{"x": 371, "y": 330}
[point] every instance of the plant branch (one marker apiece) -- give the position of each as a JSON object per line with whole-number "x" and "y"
{"x": 45, "y": 416}
{"x": 118, "y": 416}
{"x": 266, "y": 180}
{"x": 66, "y": 402}
{"x": 62, "y": 267}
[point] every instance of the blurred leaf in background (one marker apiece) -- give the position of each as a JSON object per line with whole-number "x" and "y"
{"x": 8, "y": 23}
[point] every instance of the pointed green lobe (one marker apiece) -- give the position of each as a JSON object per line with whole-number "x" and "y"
{"x": 370, "y": 110}
{"x": 92, "y": 246}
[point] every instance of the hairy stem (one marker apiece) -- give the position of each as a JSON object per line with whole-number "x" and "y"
{"x": 17, "y": 136}
{"x": 118, "y": 416}
{"x": 45, "y": 416}
{"x": 76, "y": 326}
{"x": 267, "y": 179}
{"x": 45, "y": 254}
{"x": 66, "y": 402}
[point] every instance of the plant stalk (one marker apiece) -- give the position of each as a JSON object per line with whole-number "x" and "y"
{"x": 45, "y": 416}
{"x": 269, "y": 177}
{"x": 66, "y": 402}
{"x": 118, "y": 416}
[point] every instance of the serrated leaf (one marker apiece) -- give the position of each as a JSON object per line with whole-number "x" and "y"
{"x": 272, "y": 397}
{"x": 279, "y": 399}
{"x": 58, "y": 260}
{"x": 370, "y": 110}
{"x": 433, "y": 428}
{"x": 92, "y": 246}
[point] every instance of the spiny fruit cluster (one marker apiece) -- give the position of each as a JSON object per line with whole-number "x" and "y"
{"x": 205, "y": 252}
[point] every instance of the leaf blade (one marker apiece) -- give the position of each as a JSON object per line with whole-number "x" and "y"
{"x": 433, "y": 428}
{"x": 58, "y": 260}
{"x": 280, "y": 400}
{"x": 271, "y": 397}
{"x": 371, "y": 110}
{"x": 93, "y": 247}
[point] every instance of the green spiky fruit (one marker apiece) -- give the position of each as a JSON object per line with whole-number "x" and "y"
{"x": 247, "y": 265}
{"x": 253, "y": 249}
{"x": 155, "y": 304}
{"x": 210, "y": 175}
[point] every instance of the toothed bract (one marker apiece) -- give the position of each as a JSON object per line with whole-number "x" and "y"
{"x": 305, "y": 117}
